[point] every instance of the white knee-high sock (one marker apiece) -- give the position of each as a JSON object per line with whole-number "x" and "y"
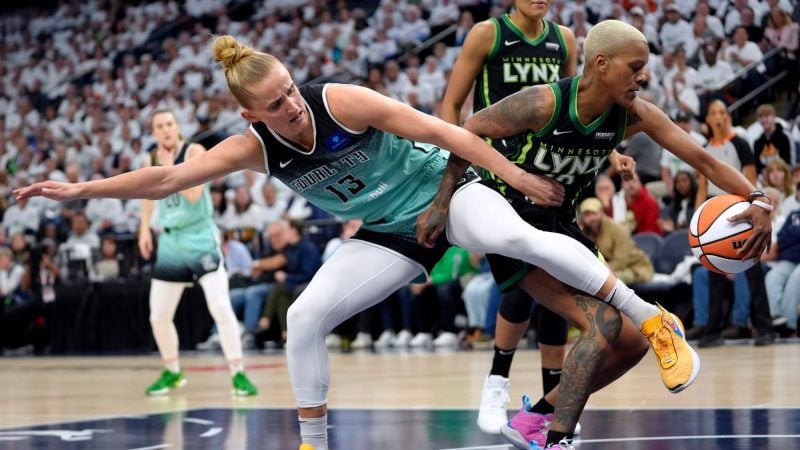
{"x": 627, "y": 302}
{"x": 164, "y": 298}
{"x": 215, "y": 289}
{"x": 314, "y": 431}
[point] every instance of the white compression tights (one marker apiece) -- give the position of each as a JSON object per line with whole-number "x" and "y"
{"x": 164, "y": 298}
{"x": 356, "y": 277}
{"x": 481, "y": 220}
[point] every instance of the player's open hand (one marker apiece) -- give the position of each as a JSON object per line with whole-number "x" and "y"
{"x": 430, "y": 225}
{"x": 542, "y": 190}
{"x": 761, "y": 239}
{"x": 53, "y": 190}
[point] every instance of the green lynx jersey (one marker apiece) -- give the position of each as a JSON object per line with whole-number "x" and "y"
{"x": 372, "y": 175}
{"x": 176, "y": 211}
{"x": 565, "y": 149}
{"x": 516, "y": 62}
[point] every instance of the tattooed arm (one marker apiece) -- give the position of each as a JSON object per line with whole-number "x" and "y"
{"x": 528, "y": 109}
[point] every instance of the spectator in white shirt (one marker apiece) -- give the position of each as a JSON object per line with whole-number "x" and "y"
{"x": 740, "y": 54}
{"x": 20, "y": 217}
{"x": 81, "y": 233}
{"x": 712, "y": 22}
{"x": 433, "y": 76}
{"x": 679, "y": 86}
{"x": 382, "y": 47}
{"x": 273, "y": 208}
{"x": 396, "y": 80}
{"x": 443, "y": 13}
{"x": 675, "y": 31}
{"x": 242, "y": 213}
{"x": 425, "y": 93}
{"x": 711, "y": 74}
{"x": 105, "y": 214}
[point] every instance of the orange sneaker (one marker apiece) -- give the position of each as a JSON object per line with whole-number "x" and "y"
{"x": 677, "y": 360}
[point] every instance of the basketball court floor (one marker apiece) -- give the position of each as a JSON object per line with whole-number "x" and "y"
{"x": 745, "y": 398}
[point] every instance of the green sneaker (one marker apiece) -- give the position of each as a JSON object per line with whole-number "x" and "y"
{"x": 166, "y": 382}
{"x": 242, "y": 386}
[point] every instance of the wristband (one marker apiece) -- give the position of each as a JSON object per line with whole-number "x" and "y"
{"x": 754, "y": 195}
{"x": 762, "y": 205}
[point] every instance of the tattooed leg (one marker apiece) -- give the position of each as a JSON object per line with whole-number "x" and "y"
{"x": 584, "y": 363}
{"x": 600, "y": 325}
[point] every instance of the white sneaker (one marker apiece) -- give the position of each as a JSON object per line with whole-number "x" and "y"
{"x": 494, "y": 397}
{"x": 403, "y": 339}
{"x": 362, "y": 340}
{"x": 446, "y": 339}
{"x": 212, "y": 343}
{"x": 577, "y": 429}
{"x": 333, "y": 341}
{"x": 386, "y": 339}
{"x": 421, "y": 340}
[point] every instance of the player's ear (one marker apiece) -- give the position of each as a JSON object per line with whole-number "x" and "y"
{"x": 602, "y": 62}
{"x": 248, "y": 116}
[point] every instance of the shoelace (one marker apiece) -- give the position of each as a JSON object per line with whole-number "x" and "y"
{"x": 564, "y": 445}
{"x": 664, "y": 345}
{"x": 545, "y": 427}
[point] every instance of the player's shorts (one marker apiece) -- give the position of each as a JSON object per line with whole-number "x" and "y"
{"x": 508, "y": 271}
{"x": 405, "y": 242}
{"x": 187, "y": 253}
{"x": 426, "y": 257}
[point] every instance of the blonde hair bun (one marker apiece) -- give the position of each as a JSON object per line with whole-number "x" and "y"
{"x": 229, "y": 51}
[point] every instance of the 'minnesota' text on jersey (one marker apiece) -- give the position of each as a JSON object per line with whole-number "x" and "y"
{"x": 371, "y": 174}
{"x": 565, "y": 149}
{"x": 516, "y": 62}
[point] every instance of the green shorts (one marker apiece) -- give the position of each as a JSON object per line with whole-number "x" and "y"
{"x": 187, "y": 253}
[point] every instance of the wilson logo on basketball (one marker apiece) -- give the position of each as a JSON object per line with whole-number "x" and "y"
{"x": 738, "y": 244}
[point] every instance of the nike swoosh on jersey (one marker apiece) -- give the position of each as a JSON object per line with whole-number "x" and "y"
{"x": 285, "y": 163}
{"x": 508, "y": 43}
{"x": 556, "y": 132}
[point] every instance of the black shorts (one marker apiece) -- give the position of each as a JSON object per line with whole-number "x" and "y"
{"x": 508, "y": 272}
{"x": 427, "y": 257}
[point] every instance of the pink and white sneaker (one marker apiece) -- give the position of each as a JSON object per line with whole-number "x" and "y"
{"x": 527, "y": 428}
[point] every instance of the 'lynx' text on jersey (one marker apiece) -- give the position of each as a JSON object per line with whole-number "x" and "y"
{"x": 516, "y": 62}
{"x": 565, "y": 149}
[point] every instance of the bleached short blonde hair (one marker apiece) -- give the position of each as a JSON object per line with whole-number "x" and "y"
{"x": 608, "y": 37}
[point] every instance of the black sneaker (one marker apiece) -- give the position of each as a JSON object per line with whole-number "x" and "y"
{"x": 735, "y": 332}
{"x": 764, "y": 339}
{"x": 695, "y": 333}
{"x": 711, "y": 340}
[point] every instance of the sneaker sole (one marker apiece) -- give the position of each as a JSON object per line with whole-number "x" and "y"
{"x": 695, "y": 363}
{"x": 515, "y": 437}
{"x": 490, "y": 428}
{"x": 166, "y": 391}
{"x": 241, "y": 393}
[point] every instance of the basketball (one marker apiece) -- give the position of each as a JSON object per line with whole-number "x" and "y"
{"x": 715, "y": 240}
